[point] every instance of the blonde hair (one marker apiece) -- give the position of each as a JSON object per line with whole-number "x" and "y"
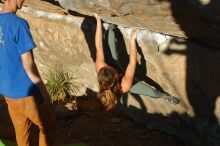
{"x": 110, "y": 88}
{"x": 107, "y": 99}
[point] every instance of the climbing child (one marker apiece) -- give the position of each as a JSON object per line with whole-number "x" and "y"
{"x": 112, "y": 81}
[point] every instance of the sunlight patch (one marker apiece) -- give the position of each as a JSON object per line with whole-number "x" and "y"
{"x": 217, "y": 109}
{"x": 205, "y": 2}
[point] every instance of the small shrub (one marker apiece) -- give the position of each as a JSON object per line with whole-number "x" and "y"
{"x": 59, "y": 83}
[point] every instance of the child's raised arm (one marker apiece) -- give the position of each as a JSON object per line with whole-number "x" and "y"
{"x": 100, "y": 58}
{"x": 130, "y": 71}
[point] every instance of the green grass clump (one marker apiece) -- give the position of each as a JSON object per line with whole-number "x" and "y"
{"x": 60, "y": 84}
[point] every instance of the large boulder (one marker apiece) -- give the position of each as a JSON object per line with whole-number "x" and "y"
{"x": 170, "y": 57}
{"x": 194, "y": 19}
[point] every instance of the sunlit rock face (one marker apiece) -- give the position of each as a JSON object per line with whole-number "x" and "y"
{"x": 194, "y": 19}
{"x": 83, "y": 3}
{"x": 184, "y": 68}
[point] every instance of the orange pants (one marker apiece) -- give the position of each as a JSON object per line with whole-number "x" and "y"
{"x": 28, "y": 110}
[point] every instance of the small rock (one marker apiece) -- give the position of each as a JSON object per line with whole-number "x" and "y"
{"x": 72, "y": 106}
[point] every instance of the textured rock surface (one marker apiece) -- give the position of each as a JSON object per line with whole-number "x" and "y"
{"x": 60, "y": 40}
{"x": 183, "y": 68}
{"x": 194, "y": 19}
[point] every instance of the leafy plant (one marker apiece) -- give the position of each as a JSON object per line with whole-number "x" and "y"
{"x": 59, "y": 83}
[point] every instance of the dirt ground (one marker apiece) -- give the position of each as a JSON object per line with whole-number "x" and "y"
{"x": 94, "y": 127}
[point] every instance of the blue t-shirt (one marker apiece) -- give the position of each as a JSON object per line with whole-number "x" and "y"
{"x": 15, "y": 40}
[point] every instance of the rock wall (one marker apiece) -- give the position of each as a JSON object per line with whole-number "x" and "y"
{"x": 59, "y": 39}
{"x": 70, "y": 40}
{"x": 181, "y": 18}
{"x": 181, "y": 67}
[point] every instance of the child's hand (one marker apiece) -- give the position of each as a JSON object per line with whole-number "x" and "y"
{"x": 96, "y": 16}
{"x": 134, "y": 33}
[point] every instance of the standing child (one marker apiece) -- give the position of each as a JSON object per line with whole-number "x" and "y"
{"x": 20, "y": 82}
